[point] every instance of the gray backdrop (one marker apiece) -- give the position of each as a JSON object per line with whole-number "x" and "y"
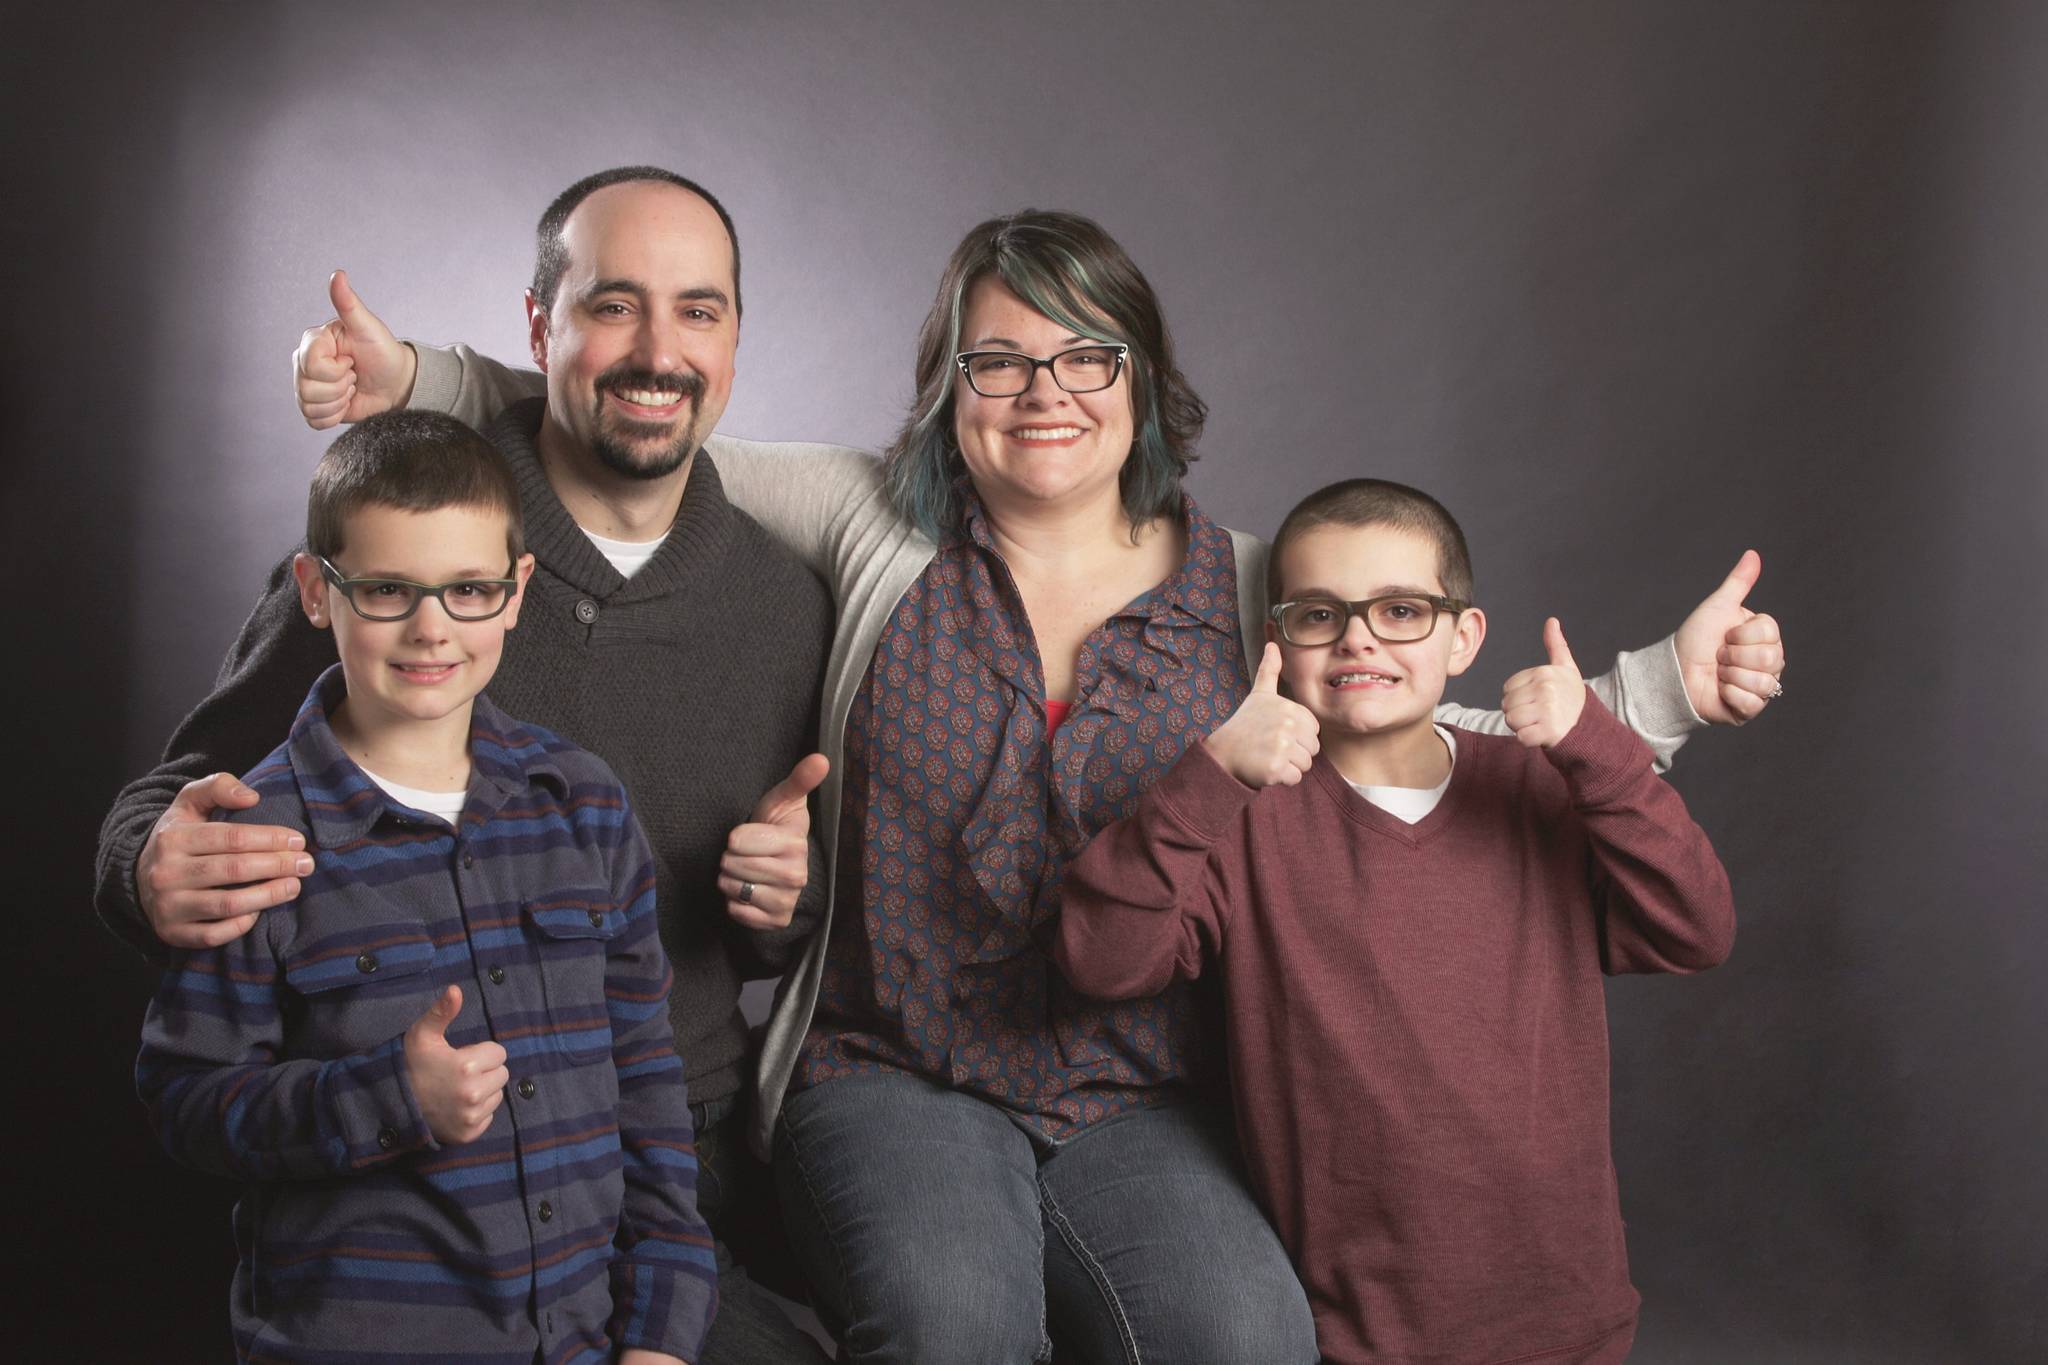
{"x": 1630, "y": 286}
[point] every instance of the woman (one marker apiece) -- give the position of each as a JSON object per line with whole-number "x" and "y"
{"x": 1035, "y": 622}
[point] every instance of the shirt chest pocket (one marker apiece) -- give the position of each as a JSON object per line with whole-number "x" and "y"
{"x": 360, "y": 991}
{"x": 573, "y": 932}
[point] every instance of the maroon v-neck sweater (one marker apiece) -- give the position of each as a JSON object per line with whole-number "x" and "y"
{"x": 1417, "y": 1031}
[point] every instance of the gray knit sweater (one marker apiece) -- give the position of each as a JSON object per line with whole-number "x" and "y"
{"x": 697, "y": 680}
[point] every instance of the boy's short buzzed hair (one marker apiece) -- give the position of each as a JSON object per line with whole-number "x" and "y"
{"x": 1379, "y": 502}
{"x": 416, "y": 462}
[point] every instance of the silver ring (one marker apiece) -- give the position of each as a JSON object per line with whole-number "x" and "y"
{"x": 746, "y": 893}
{"x": 1777, "y": 691}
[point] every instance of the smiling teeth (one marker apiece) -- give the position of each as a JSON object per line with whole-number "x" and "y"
{"x": 647, "y": 398}
{"x": 1342, "y": 678}
{"x": 1047, "y": 434}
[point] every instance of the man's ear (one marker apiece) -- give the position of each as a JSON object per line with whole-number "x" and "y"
{"x": 314, "y": 598}
{"x": 522, "y": 571}
{"x": 537, "y": 331}
{"x": 1466, "y": 637}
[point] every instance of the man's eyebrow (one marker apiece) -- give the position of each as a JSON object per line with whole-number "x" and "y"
{"x": 703, "y": 293}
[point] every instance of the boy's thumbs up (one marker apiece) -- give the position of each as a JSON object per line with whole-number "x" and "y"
{"x": 1542, "y": 704}
{"x": 1267, "y": 679}
{"x": 1553, "y": 641}
{"x": 432, "y": 1026}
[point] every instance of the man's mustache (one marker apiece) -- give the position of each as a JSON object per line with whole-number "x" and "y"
{"x": 688, "y": 384}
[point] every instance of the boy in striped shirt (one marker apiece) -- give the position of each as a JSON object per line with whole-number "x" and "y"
{"x": 444, "y": 1072}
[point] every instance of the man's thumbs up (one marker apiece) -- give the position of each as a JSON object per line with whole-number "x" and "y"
{"x": 350, "y": 367}
{"x": 767, "y": 861}
{"x": 1542, "y": 705}
{"x": 457, "y": 1088}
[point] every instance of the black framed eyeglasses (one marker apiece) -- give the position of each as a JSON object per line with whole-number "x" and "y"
{"x": 1394, "y": 619}
{"x": 1078, "y": 369}
{"x": 394, "y": 599}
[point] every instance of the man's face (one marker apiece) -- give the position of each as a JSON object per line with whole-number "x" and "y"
{"x": 639, "y": 344}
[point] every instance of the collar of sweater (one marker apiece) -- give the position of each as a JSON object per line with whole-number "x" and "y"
{"x": 696, "y": 543}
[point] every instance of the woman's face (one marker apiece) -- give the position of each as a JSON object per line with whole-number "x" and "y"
{"x": 1044, "y": 446}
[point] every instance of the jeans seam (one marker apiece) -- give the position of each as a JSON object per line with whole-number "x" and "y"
{"x": 846, "y": 1291}
{"x": 1058, "y": 1219}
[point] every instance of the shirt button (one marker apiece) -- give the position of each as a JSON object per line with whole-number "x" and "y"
{"x": 597, "y": 919}
{"x": 367, "y": 963}
{"x": 586, "y": 611}
{"x": 387, "y": 1138}
{"x": 497, "y": 976}
{"x": 469, "y": 860}
{"x": 545, "y": 1212}
{"x": 526, "y": 1088}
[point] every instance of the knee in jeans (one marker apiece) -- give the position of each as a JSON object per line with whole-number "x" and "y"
{"x": 1262, "y": 1320}
{"x": 949, "y": 1320}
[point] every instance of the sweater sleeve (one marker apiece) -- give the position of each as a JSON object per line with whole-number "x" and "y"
{"x": 664, "y": 1275}
{"x": 1644, "y": 689}
{"x": 265, "y": 676}
{"x": 467, "y": 385}
{"x": 1661, "y": 893}
{"x": 1147, "y": 901}
{"x": 220, "y": 1099}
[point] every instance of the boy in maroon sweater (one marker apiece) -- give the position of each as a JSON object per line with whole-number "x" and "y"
{"x": 1412, "y": 927}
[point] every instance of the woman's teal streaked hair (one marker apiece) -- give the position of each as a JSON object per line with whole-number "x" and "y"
{"x": 1072, "y": 271}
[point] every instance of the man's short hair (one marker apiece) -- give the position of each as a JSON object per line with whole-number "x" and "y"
{"x": 1379, "y": 502}
{"x": 413, "y": 461}
{"x": 551, "y": 257}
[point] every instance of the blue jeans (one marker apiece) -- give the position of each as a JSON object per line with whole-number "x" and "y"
{"x": 936, "y": 1231}
{"x": 750, "y": 1329}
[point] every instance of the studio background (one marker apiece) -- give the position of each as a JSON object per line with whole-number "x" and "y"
{"x": 1630, "y": 286}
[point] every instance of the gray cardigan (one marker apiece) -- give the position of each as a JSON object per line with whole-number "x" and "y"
{"x": 827, "y": 504}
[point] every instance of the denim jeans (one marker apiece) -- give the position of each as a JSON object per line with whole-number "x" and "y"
{"x": 937, "y": 1231}
{"x": 750, "y": 1329}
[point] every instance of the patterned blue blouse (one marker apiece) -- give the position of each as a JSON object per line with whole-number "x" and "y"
{"x": 963, "y": 819}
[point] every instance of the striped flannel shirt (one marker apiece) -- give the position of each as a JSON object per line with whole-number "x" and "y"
{"x": 569, "y": 1230}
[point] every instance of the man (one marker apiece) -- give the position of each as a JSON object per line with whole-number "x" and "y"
{"x": 664, "y": 631}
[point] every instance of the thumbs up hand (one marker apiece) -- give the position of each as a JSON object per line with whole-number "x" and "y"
{"x": 1730, "y": 656}
{"x": 1269, "y": 740}
{"x": 458, "y": 1088}
{"x": 1543, "y": 704}
{"x": 350, "y": 367}
{"x": 768, "y": 860}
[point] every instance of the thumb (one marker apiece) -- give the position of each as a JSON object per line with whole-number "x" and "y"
{"x": 222, "y": 791}
{"x": 1267, "y": 680}
{"x": 434, "y": 1023}
{"x": 1740, "y": 579}
{"x": 786, "y": 797}
{"x": 1553, "y": 641}
{"x": 354, "y": 317}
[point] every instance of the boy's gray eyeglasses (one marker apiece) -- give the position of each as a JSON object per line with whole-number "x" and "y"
{"x": 1394, "y": 619}
{"x": 394, "y": 599}
{"x": 1005, "y": 374}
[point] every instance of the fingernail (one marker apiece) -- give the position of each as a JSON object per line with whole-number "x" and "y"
{"x": 303, "y": 865}
{"x": 295, "y": 841}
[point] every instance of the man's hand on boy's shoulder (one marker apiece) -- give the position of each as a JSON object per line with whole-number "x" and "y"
{"x": 1269, "y": 740}
{"x": 1542, "y": 704}
{"x": 203, "y": 882}
{"x": 1730, "y": 656}
{"x": 640, "y": 1355}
